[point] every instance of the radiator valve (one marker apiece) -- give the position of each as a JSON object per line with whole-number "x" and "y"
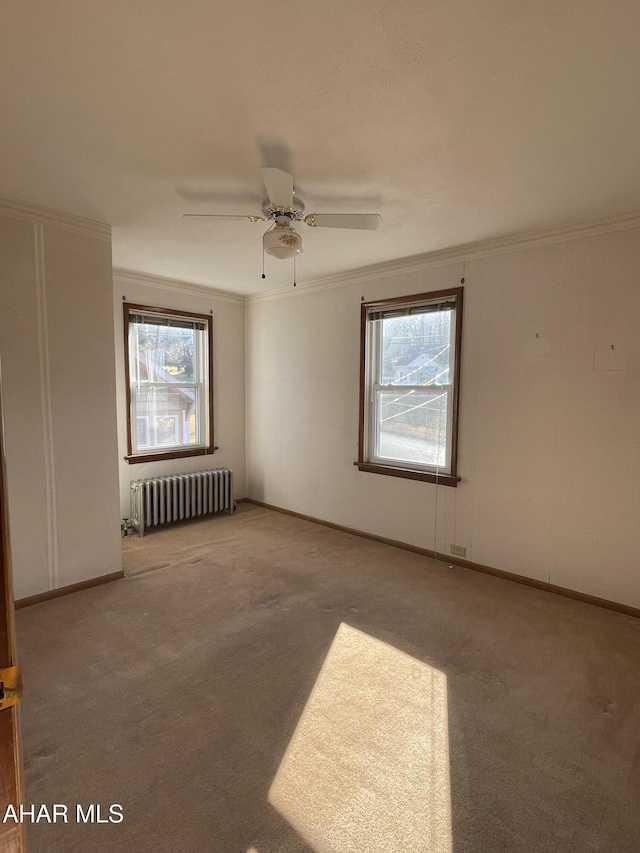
{"x": 126, "y": 527}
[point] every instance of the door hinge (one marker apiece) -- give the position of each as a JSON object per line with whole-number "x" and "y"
{"x": 10, "y": 687}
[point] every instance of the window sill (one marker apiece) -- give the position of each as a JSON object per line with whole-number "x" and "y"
{"x": 408, "y": 474}
{"x": 169, "y": 454}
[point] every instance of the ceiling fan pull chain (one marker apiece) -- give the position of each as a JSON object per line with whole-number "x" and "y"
{"x": 294, "y": 270}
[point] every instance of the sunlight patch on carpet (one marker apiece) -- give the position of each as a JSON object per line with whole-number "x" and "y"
{"x": 368, "y": 765}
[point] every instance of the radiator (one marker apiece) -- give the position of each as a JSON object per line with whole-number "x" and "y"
{"x": 163, "y": 500}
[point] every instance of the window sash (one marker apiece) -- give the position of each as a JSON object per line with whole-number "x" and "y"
{"x": 152, "y": 417}
{"x": 444, "y": 437}
{"x": 411, "y": 387}
{"x": 200, "y": 340}
{"x": 143, "y": 383}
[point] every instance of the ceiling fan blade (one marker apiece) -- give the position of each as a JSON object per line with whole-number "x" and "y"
{"x": 274, "y": 151}
{"x": 225, "y": 216}
{"x": 279, "y": 186}
{"x": 363, "y": 221}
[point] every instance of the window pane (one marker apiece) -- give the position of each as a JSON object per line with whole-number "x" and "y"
{"x": 167, "y": 430}
{"x": 416, "y": 349}
{"x": 166, "y": 416}
{"x": 413, "y": 427}
{"x": 165, "y": 352}
{"x": 143, "y": 431}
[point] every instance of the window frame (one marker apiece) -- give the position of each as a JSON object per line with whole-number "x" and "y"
{"x": 178, "y": 453}
{"x": 374, "y": 465}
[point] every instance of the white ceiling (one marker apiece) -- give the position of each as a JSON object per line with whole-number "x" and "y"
{"x": 457, "y": 121}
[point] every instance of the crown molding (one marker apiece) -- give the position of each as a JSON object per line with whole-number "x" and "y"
{"x": 54, "y": 218}
{"x": 464, "y": 252}
{"x": 124, "y": 277}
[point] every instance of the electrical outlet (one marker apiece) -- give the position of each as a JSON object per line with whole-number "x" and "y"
{"x": 459, "y": 550}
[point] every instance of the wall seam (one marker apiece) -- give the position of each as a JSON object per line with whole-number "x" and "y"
{"x": 45, "y": 400}
{"x": 246, "y": 399}
{"x": 560, "y": 398}
{"x": 475, "y": 413}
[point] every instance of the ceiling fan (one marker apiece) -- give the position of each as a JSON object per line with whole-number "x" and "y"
{"x": 283, "y": 207}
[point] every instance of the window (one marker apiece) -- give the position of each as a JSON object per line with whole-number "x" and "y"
{"x": 409, "y": 386}
{"x": 169, "y": 383}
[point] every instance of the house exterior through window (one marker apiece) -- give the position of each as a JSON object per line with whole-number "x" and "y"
{"x": 169, "y": 383}
{"x": 409, "y": 388}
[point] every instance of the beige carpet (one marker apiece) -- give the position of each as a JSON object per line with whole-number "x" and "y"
{"x": 214, "y": 695}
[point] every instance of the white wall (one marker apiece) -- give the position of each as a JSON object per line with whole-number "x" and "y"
{"x": 228, "y": 379}
{"x": 549, "y": 447}
{"x": 58, "y": 382}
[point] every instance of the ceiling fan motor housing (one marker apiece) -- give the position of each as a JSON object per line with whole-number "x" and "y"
{"x": 282, "y": 242}
{"x": 271, "y": 210}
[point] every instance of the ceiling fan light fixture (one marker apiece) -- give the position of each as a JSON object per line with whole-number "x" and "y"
{"x": 282, "y": 242}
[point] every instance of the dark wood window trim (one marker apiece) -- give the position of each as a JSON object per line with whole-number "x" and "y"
{"x": 449, "y": 479}
{"x": 408, "y": 473}
{"x": 132, "y": 458}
